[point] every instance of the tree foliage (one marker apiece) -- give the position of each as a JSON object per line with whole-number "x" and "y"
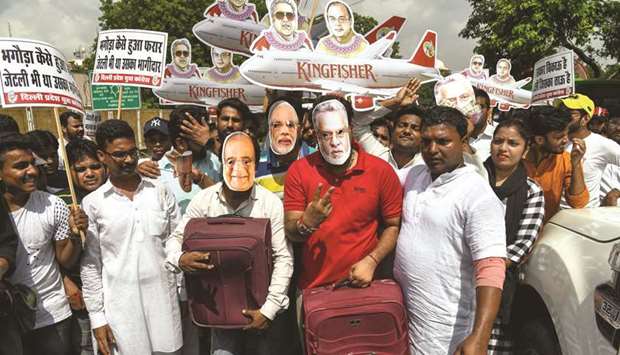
{"x": 528, "y": 30}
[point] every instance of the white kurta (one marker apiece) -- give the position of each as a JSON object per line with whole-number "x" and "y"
{"x": 447, "y": 225}
{"x": 128, "y": 267}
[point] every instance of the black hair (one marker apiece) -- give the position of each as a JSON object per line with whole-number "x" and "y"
{"x": 409, "y": 110}
{"x": 342, "y": 4}
{"x": 546, "y": 119}
{"x": 8, "y": 124}
{"x": 11, "y": 142}
{"x": 113, "y": 129}
{"x": 179, "y": 115}
{"x": 517, "y": 124}
{"x": 293, "y": 101}
{"x": 381, "y": 122}
{"x": 64, "y": 117}
{"x": 244, "y": 110}
{"x": 40, "y": 140}
{"x": 448, "y": 116}
{"x": 79, "y": 149}
{"x": 346, "y": 103}
{"x": 481, "y": 93}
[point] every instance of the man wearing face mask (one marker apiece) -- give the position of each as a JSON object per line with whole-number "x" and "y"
{"x": 181, "y": 66}
{"x": 223, "y": 70}
{"x": 482, "y": 135}
{"x": 334, "y": 200}
{"x": 283, "y": 34}
{"x": 284, "y": 143}
{"x": 241, "y": 196}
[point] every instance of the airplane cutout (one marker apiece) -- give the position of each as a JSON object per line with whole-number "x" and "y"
{"x": 238, "y": 36}
{"x": 372, "y": 74}
{"x": 505, "y": 96}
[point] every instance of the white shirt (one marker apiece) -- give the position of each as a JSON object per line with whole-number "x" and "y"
{"x": 363, "y": 135}
{"x": 43, "y": 220}
{"x": 600, "y": 152}
{"x": 610, "y": 181}
{"x": 447, "y": 224}
{"x": 482, "y": 144}
{"x": 263, "y": 203}
{"x": 126, "y": 267}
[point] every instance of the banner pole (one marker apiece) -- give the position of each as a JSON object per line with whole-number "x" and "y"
{"x": 63, "y": 153}
{"x": 120, "y": 102}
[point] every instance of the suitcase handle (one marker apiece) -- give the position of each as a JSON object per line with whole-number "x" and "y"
{"x": 227, "y": 220}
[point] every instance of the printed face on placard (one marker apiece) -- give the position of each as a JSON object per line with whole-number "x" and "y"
{"x": 283, "y": 128}
{"x": 339, "y": 20}
{"x": 503, "y": 68}
{"x": 476, "y": 63}
{"x": 284, "y": 19}
{"x": 333, "y": 136}
{"x": 456, "y": 91}
{"x": 238, "y": 3}
{"x": 182, "y": 55}
{"x": 239, "y": 162}
{"x": 221, "y": 59}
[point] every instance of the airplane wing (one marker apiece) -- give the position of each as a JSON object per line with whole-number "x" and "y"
{"x": 521, "y": 83}
{"x": 377, "y": 49}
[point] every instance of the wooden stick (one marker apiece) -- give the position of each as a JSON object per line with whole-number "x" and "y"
{"x": 315, "y": 4}
{"x": 120, "y": 102}
{"x": 63, "y": 153}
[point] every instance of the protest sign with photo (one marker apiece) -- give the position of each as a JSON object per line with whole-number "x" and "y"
{"x": 130, "y": 57}
{"x": 554, "y": 77}
{"x": 34, "y": 73}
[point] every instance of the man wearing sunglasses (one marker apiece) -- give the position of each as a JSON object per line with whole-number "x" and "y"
{"x": 181, "y": 66}
{"x": 476, "y": 68}
{"x": 283, "y": 34}
{"x": 342, "y": 41}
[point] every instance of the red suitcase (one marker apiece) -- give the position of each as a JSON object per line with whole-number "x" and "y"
{"x": 241, "y": 252}
{"x": 352, "y": 321}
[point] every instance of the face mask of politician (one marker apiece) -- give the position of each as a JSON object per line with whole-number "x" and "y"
{"x": 333, "y": 133}
{"x": 239, "y": 162}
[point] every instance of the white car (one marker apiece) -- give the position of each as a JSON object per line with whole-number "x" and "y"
{"x": 554, "y": 310}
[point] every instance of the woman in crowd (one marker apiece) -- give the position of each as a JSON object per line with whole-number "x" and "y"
{"x": 524, "y": 211}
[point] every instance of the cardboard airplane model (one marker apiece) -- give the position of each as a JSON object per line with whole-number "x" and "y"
{"x": 370, "y": 73}
{"x": 238, "y": 36}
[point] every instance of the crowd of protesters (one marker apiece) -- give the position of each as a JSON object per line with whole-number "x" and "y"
{"x": 446, "y": 204}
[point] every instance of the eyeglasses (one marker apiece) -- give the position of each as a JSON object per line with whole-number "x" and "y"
{"x": 288, "y": 124}
{"x": 290, "y": 16}
{"x": 122, "y": 155}
{"x": 477, "y": 63}
{"x": 182, "y": 54}
{"x": 94, "y": 166}
{"x": 340, "y": 19}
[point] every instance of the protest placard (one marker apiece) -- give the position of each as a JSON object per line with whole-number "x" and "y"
{"x": 130, "y": 57}
{"x": 34, "y": 73}
{"x": 554, "y": 77}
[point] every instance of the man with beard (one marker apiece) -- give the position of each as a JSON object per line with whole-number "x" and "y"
{"x": 284, "y": 143}
{"x": 239, "y": 10}
{"x": 404, "y": 142}
{"x": 223, "y": 70}
{"x": 283, "y": 34}
{"x": 72, "y": 128}
{"x": 48, "y": 238}
{"x": 476, "y": 68}
{"x": 181, "y": 66}
{"x": 232, "y": 115}
{"x": 341, "y": 204}
{"x": 610, "y": 185}
{"x": 452, "y": 244}
{"x": 482, "y": 135}
{"x": 342, "y": 41}
{"x": 557, "y": 171}
{"x": 129, "y": 265}
{"x": 601, "y": 151}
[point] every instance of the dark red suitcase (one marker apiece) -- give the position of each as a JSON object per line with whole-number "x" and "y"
{"x": 352, "y": 321}
{"x": 241, "y": 252}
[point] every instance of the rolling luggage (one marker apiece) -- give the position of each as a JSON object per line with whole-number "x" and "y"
{"x": 240, "y": 249}
{"x": 342, "y": 320}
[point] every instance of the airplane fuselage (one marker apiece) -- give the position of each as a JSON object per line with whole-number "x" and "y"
{"x": 208, "y": 93}
{"x": 514, "y": 96}
{"x": 319, "y": 72}
{"x": 232, "y": 35}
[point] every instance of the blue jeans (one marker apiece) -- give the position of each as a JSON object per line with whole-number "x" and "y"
{"x": 238, "y": 342}
{"x": 53, "y": 339}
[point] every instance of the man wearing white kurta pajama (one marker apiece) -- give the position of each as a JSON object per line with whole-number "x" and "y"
{"x": 129, "y": 262}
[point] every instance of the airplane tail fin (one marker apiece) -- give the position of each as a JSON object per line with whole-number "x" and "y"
{"x": 394, "y": 23}
{"x": 426, "y": 51}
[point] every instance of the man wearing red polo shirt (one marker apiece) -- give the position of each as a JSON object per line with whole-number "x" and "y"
{"x": 336, "y": 199}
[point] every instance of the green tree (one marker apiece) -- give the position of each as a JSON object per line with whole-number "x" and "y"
{"x": 528, "y": 30}
{"x": 610, "y": 29}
